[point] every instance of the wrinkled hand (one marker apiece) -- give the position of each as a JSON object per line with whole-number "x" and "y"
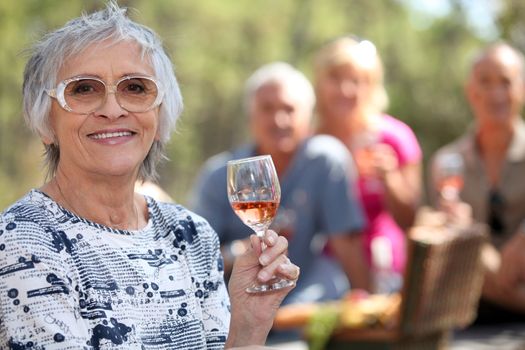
{"x": 253, "y": 314}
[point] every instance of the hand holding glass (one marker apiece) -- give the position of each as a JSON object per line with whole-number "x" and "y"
{"x": 254, "y": 194}
{"x": 449, "y": 175}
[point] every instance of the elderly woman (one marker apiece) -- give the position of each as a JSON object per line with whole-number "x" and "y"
{"x": 351, "y": 99}
{"x": 86, "y": 263}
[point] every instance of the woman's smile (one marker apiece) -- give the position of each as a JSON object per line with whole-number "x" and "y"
{"x": 112, "y": 137}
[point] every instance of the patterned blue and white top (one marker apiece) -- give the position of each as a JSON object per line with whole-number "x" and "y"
{"x": 69, "y": 283}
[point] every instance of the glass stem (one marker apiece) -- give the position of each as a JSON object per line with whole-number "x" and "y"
{"x": 261, "y": 235}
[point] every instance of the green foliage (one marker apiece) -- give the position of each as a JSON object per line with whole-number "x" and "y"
{"x": 511, "y": 22}
{"x": 215, "y": 45}
{"x": 321, "y": 326}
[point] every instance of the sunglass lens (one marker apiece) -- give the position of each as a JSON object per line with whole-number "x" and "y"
{"x": 137, "y": 94}
{"x": 84, "y": 95}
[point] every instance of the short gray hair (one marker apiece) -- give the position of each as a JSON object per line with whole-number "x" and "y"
{"x": 50, "y": 53}
{"x": 279, "y": 72}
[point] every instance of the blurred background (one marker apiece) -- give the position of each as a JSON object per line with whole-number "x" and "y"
{"x": 215, "y": 45}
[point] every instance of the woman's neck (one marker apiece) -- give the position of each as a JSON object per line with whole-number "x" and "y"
{"x": 365, "y": 123}
{"x": 351, "y": 125}
{"x": 110, "y": 203}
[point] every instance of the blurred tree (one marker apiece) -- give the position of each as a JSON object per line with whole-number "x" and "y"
{"x": 215, "y": 45}
{"x": 511, "y": 22}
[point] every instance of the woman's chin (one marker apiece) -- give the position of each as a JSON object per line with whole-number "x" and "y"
{"x": 117, "y": 170}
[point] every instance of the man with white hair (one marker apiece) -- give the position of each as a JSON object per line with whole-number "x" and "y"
{"x": 318, "y": 210}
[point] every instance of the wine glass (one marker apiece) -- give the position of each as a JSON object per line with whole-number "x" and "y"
{"x": 362, "y": 148}
{"x": 254, "y": 194}
{"x": 449, "y": 169}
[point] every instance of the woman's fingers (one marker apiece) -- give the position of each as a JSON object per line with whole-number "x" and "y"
{"x": 275, "y": 246}
{"x": 280, "y": 267}
{"x": 270, "y": 238}
{"x": 256, "y": 244}
{"x": 272, "y": 258}
{"x": 289, "y": 271}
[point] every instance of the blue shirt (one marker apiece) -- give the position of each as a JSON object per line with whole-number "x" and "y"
{"x": 316, "y": 202}
{"x": 69, "y": 283}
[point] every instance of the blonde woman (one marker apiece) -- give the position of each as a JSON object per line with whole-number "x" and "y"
{"x": 351, "y": 100}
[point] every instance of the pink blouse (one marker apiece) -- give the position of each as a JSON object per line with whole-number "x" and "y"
{"x": 402, "y": 139}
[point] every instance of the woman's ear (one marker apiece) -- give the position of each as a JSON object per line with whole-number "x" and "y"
{"x": 47, "y": 138}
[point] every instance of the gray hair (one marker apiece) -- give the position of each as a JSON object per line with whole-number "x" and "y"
{"x": 279, "y": 72}
{"x": 49, "y": 54}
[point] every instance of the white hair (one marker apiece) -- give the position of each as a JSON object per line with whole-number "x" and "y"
{"x": 108, "y": 25}
{"x": 280, "y": 72}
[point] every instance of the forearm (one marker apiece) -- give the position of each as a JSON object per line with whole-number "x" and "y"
{"x": 244, "y": 333}
{"x": 504, "y": 282}
{"x": 402, "y": 197}
{"x": 252, "y": 315}
{"x": 512, "y": 299}
{"x": 349, "y": 251}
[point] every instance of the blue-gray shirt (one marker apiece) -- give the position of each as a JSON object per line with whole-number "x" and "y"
{"x": 317, "y": 200}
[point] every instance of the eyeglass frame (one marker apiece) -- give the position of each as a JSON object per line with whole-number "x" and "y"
{"x": 58, "y": 92}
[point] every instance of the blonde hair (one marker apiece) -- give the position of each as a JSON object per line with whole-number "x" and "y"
{"x": 362, "y": 56}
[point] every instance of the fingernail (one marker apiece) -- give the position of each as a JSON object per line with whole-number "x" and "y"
{"x": 264, "y": 260}
{"x": 271, "y": 240}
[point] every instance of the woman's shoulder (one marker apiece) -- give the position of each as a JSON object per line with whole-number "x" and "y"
{"x": 175, "y": 211}
{"x": 393, "y": 125}
{"x": 402, "y": 138}
{"x": 187, "y": 230}
{"x": 35, "y": 206}
{"x": 177, "y": 216}
{"x": 30, "y": 221}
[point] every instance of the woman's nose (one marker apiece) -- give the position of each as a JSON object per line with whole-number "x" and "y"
{"x": 110, "y": 107}
{"x": 348, "y": 87}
